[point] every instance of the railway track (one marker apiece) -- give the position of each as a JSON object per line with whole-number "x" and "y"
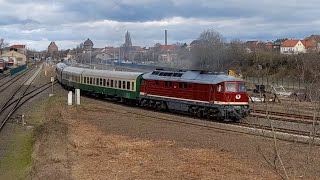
{"x": 287, "y": 117}
{"x": 4, "y": 75}
{"x": 260, "y": 130}
{"x": 11, "y": 81}
{"x": 18, "y": 98}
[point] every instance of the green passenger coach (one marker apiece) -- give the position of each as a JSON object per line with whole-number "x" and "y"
{"x": 116, "y": 84}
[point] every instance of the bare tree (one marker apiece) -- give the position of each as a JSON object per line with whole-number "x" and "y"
{"x": 209, "y": 51}
{"x": 3, "y": 45}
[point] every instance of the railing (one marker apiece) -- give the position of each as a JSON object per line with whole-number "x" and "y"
{"x": 17, "y": 69}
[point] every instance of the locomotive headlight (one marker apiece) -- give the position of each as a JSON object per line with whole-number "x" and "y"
{"x": 238, "y": 96}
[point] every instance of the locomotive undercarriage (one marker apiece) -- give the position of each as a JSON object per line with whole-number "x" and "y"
{"x": 201, "y": 110}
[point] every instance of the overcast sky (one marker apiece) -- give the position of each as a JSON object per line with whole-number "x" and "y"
{"x": 68, "y": 22}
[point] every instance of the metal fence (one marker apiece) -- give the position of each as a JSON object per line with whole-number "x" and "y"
{"x": 287, "y": 83}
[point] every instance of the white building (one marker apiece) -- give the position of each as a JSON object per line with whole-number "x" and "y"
{"x": 292, "y": 47}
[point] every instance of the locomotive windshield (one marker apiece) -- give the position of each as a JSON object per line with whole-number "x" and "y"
{"x": 231, "y": 87}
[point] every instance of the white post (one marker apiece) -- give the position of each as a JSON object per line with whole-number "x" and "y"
{"x": 77, "y": 96}
{"x": 70, "y": 98}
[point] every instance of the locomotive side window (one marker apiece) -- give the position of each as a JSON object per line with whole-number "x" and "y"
{"x": 157, "y": 83}
{"x": 231, "y": 87}
{"x": 168, "y": 84}
{"x": 184, "y": 85}
{"x": 220, "y": 88}
{"x": 242, "y": 87}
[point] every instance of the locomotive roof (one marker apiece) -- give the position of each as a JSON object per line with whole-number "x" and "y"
{"x": 190, "y": 76}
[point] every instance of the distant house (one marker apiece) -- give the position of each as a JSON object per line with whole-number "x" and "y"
{"x": 168, "y": 53}
{"x": 71, "y": 55}
{"x": 293, "y": 47}
{"x": 18, "y": 58}
{"x": 252, "y": 46}
{"x": 19, "y": 48}
{"x": 312, "y": 43}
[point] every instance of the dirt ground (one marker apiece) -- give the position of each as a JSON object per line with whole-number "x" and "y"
{"x": 101, "y": 140}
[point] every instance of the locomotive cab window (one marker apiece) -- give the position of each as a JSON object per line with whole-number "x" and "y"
{"x": 242, "y": 87}
{"x": 231, "y": 87}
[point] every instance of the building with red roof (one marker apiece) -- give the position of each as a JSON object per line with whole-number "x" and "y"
{"x": 19, "y": 48}
{"x": 293, "y": 46}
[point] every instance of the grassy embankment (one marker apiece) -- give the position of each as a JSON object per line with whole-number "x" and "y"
{"x": 17, "y": 161}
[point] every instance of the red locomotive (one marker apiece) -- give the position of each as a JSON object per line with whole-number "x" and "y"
{"x": 3, "y": 65}
{"x": 204, "y": 94}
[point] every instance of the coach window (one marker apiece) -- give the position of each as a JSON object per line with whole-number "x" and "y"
{"x": 132, "y": 86}
{"x": 108, "y": 82}
{"x": 128, "y": 85}
{"x": 104, "y": 82}
{"x": 111, "y": 83}
{"x": 119, "y": 85}
{"x": 115, "y": 83}
{"x": 100, "y": 81}
{"x": 123, "y": 85}
{"x": 90, "y": 80}
{"x": 97, "y": 81}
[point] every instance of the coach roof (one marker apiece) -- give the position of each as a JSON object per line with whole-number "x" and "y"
{"x": 73, "y": 70}
{"x": 112, "y": 74}
{"x": 190, "y": 76}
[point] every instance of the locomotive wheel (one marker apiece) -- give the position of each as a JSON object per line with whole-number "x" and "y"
{"x": 199, "y": 113}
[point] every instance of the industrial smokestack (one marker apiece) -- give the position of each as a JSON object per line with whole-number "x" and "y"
{"x": 165, "y": 37}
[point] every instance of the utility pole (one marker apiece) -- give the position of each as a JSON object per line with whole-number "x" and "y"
{"x": 119, "y": 54}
